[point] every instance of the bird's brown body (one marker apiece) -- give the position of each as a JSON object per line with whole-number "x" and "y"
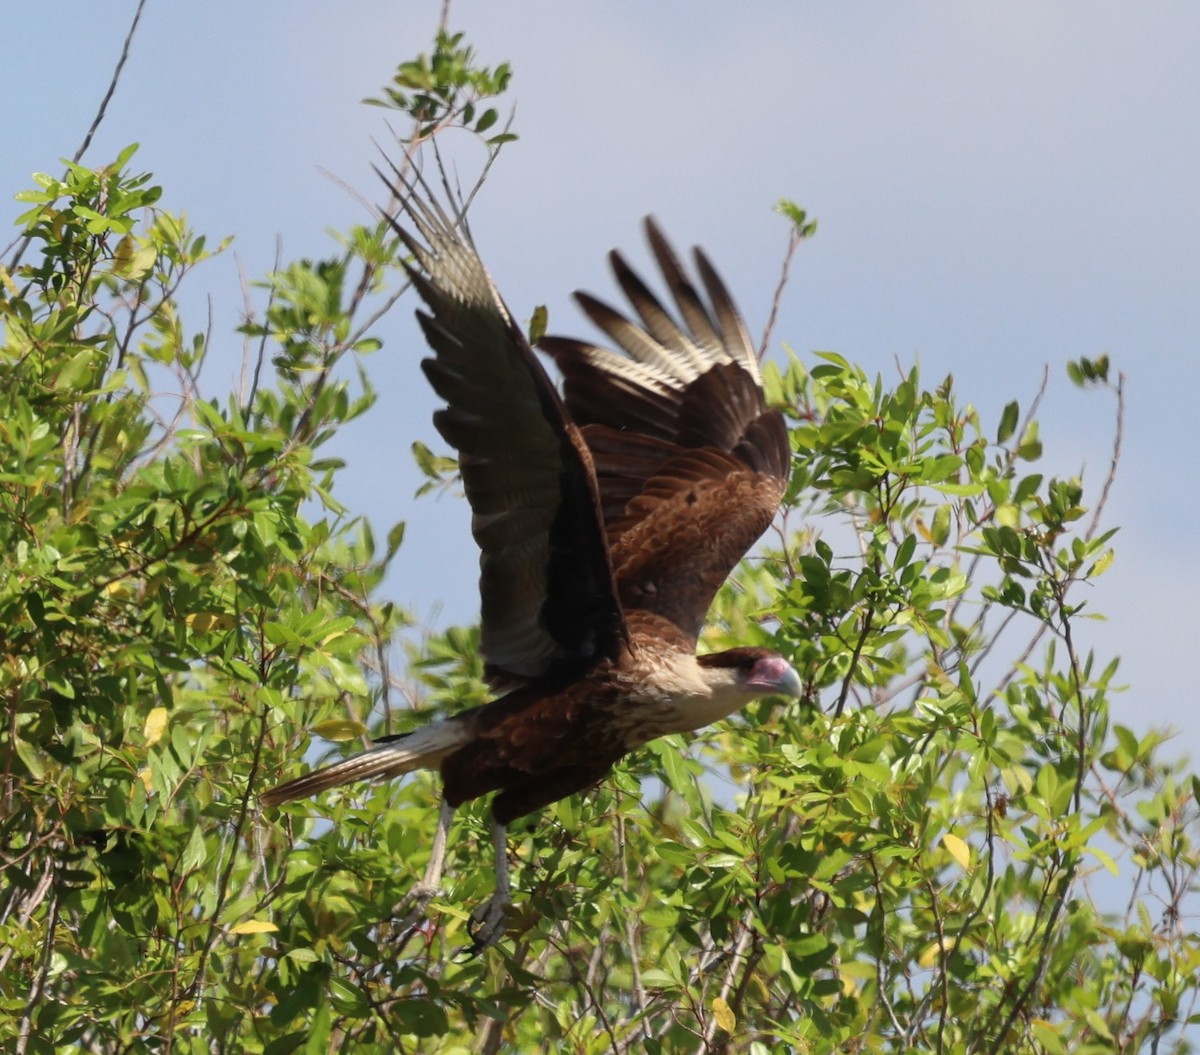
{"x": 607, "y": 517}
{"x": 536, "y": 745}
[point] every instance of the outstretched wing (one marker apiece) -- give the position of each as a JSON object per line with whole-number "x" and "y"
{"x": 548, "y": 598}
{"x": 691, "y": 465}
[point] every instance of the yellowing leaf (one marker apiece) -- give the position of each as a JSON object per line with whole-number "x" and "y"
{"x": 1008, "y": 515}
{"x": 957, "y": 849}
{"x": 118, "y": 591}
{"x": 1102, "y": 563}
{"x": 338, "y": 729}
{"x": 156, "y": 724}
{"x": 537, "y": 323}
{"x": 724, "y": 1015}
{"x": 146, "y": 779}
{"x": 932, "y": 952}
{"x": 253, "y": 926}
{"x": 123, "y": 254}
{"x": 142, "y": 260}
{"x": 206, "y": 621}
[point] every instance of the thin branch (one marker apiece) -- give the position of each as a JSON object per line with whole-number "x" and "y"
{"x": 96, "y": 121}
{"x": 795, "y": 237}
{"x": 735, "y": 962}
{"x": 1066, "y": 877}
{"x": 942, "y": 983}
{"x": 631, "y": 928}
{"x": 25, "y": 1027}
{"x": 261, "y": 354}
{"x": 848, "y": 681}
{"x": 243, "y": 814}
{"x": 112, "y": 84}
{"x": 1118, "y": 439}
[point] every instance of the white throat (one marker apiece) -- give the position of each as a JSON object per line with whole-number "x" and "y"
{"x": 690, "y": 696}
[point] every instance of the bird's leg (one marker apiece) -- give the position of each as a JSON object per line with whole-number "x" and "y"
{"x": 487, "y": 921}
{"x": 412, "y": 905}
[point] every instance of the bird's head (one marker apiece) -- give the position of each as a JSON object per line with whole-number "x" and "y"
{"x": 752, "y": 672}
{"x": 705, "y": 689}
{"x": 739, "y": 676}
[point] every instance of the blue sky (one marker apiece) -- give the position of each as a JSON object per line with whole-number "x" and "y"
{"x": 999, "y": 186}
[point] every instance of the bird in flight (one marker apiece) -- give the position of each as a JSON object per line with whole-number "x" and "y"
{"x": 607, "y": 518}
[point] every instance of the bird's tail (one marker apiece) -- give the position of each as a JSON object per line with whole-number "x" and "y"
{"x": 422, "y": 749}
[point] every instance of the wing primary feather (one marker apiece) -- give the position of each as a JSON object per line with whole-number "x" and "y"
{"x": 547, "y": 593}
{"x": 666, "y": 443}
{"x": 691, "y": 307}
{"x": 736, "y": 338}
{"x": 631, "y": 338}
{"x": 657, "y": 320}
{"x": 690, "y": 462}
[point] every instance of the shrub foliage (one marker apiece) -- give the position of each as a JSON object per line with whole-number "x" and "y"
{"x": 948, "y": 846}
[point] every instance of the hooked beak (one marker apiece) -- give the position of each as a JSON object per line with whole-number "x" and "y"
{"x": 776, "y": 676}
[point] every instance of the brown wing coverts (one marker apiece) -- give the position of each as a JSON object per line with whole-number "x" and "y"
{"x": 691, "y": 465}
{"x": 546, "y": 583}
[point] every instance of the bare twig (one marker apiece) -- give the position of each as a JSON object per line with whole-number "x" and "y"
{"x": 261, "y": 353}
{"x": 35, "y": 990}
{"x": 1118, "y": 439}
{"x": 795, "y": 237}
{"x": 96, "y": 121}
{"x": 745, "y": 936}
{"x": 243, "y": 815}
{"x": 631, "y": 929}
{"x": 112, "y": 84}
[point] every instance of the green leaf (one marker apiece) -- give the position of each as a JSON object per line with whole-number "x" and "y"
{"x": 803, "y": 226}
{"x": 348, "y": 998}
{"x": 421, "y": 1017}
{"x": 675, "y": 772}
{"x": 1008, "y": 422}
{"x": 195, "y": 853}
{"x": 28, "y": 755}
